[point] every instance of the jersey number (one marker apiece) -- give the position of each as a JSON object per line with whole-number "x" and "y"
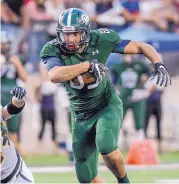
{"x": 103, "y": 31}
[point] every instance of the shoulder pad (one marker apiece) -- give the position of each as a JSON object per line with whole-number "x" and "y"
{"x": 109, "y": 35}
{"x": 95, "y": 37}
{"x": 50, "y": 49}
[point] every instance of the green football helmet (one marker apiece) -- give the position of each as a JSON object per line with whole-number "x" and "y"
{"x": 73, "y": 20}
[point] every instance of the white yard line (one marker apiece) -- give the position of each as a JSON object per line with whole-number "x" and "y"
{"x": 66, "y": 169}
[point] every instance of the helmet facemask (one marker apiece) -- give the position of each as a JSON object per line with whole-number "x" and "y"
{"x": 79, "y": 43}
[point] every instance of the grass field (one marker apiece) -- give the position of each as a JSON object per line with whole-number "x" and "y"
{"x": 135, "y": 177}
{"x": 57, "y": 160}
{"x": 138, "y": 176}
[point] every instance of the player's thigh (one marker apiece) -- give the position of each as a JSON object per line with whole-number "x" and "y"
{"x": 13, "y": 124}
{"x": 84, "y": 148}
{"x": 139, "y": 111}
{"x": 83, "y": 135}
{"x": 108, "y": 127}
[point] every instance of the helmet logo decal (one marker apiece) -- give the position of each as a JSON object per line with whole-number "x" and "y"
{"x": 85, "y": 18}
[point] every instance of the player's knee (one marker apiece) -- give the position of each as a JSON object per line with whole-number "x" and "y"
{"x": 84, "y": 173}
{"x": 105, "y": 142}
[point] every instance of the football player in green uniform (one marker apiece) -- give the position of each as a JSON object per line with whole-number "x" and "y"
{"x": 11, "y": 69}
{"x": 130, "y": 75}
{"x": 77, "y": 59}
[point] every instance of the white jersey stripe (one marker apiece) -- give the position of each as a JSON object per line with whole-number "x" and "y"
{"x": 69, "y": 17}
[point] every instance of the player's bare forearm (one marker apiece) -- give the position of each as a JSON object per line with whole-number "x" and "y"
{"x": 67, "y": 73}
{"x": 149, "y": 52}
{"x": 142, "y": 48}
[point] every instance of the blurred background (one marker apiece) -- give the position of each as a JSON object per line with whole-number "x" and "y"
{"x": 42, "y": 132}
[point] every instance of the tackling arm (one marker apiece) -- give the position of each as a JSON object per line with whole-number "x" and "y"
{"x": 17, "y": 103}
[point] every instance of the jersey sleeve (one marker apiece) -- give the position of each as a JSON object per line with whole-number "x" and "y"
{"x": 51, "y": 62}
{"x": 119, "y": 48}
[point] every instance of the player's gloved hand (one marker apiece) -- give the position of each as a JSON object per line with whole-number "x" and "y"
{"x": 162, "y": 75}
{"x": 98, "y": 69}
{"x": 19, "y": 93}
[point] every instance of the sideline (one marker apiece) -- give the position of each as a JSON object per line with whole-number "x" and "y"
{"x": 65, "y": 169}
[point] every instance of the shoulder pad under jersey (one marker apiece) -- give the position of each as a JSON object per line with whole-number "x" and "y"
{"x": 109, "y": 35}
{"x": 50, "y": 49}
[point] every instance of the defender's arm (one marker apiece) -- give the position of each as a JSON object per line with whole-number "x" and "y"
{"x": 16, "y": 105}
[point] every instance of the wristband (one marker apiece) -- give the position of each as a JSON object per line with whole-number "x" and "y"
{"x": 12, "y": 109}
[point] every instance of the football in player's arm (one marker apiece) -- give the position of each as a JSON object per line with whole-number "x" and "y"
{"x": 13, "y": 168}
{"x": 77, "y": 59}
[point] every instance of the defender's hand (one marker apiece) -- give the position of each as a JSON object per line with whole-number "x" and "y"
{"x": 98, "y": 69}
{"x": 19, "y": 93}
{"x": 162, "y": 75}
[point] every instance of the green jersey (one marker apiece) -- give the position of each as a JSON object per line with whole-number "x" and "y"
{"x": 128, "y": 76}
{"x": 86, "y": 94}
{"x": 8, "y": 80}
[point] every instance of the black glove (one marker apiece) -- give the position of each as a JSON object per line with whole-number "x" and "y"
{"x": 163, "y": 77}
{"x": 19, "y": 93}
{"x": 98, "y": 69}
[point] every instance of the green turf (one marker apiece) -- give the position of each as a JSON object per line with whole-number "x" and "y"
{"x": 57, "y": 160}
{"x": 135, "y": 177}
{"x": 46, "y": 160}
{"x": 172, "y": 157}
